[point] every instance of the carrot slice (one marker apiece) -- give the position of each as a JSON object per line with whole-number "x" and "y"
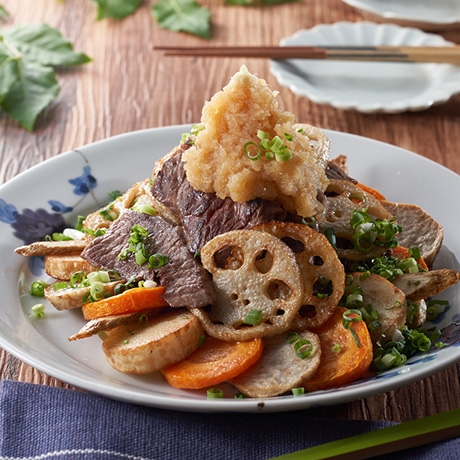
{"x": 344, "y": 357}
{"x": 403, "y": 253}
{"x": 214, "y": 362}
{"x": 371, "y": 191}
{"x": 130, "y": 301}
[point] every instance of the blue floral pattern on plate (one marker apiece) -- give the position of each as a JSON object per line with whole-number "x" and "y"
{"x": 34, "y": 225}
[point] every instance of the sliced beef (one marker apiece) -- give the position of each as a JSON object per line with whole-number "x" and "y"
{"x": 205, "y": 215}
{"x": 334, "y": 171}
{"x": 186, "y": 282}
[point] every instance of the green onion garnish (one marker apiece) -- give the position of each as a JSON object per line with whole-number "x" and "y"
{"x": 298, "y": 391}
{"x": 303, "y": 348}
{"x": 37, "y": 288}
{"x": 253, "y": 317}
{"x": 38, "y": 310}
{"x": 215, "y": 393}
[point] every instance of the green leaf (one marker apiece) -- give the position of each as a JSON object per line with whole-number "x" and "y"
{"x": 116, "y": 9}
{"x": 8, "y": 73}
{"x": 34, "y": 89}
{"x": 183, "y": 16}
{"x": 44, "y": 45}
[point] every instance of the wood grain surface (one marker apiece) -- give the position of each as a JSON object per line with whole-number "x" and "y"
{"x": 130, "y": 86}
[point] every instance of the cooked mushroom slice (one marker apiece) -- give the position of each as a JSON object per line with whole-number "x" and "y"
{"x": 342, "y": 198}
{"x": 284, "y": 365}
{"x": 144, "y": 347}
{"x": 418, "y": 286}
{"x": 322, "y": 272}
{"x": 387, "y": 300}
{"x": 70, "y": 298}
{"x": 259, "y": 290}
{"x": 418, "y": 229}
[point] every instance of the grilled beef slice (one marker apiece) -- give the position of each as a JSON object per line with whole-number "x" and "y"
{"x": 185, "y": 281}
{"x": 205, "y": 215}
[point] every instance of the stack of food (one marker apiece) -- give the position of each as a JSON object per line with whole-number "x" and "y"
{"x": 251, "y": 257}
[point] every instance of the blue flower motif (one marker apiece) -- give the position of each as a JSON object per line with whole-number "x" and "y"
{"x": 31, "y": 226}
{"x": 57, "y": 206}
{"x": 84, "y": 183}
{"x": 36, "y": 265}
{"x": 7, "y": 212}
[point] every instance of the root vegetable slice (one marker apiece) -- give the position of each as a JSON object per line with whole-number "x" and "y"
{"x": 41, "y": 248}
{"x": 130, "y": 301}
{"x": 418, "y": 229}
{"x": 344, "y": 357}
{"x": 142, "y": 348}
{"x": 70, "y": 298}
{"x": 253, "y": 272}
{"x": 111, "y": 322}
{"x": 418, "y": 286}
{"x": 63, "y": 266}
{"x": 213, "y": 362}
{"x": 342, "y": 198}
{"x": 322, "y": 272}
{"x": 280, "y": 368}
{"x": 388, "y": 300}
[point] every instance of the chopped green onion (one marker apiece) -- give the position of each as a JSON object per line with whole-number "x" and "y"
{"x": 77, "y": 279}
{"x": 288, "y": 136}
{"x": 292, "y": 337}
{"x": 60, "y": 285}
{"x": 298, "y": 391}
{"x": 250, "y": 146}
{"x": 38, "y": 310}
{"x": 158, "y": 260}
{"x": 144, "y": 208}
{"x": 37, "y": 288}
{"x": 347, "y": 319}
{"x": 303, "y": 348}
{"x": 336, "y": 348}
{"x": 253, "y": 317}
{"x": 215, "y": 393}
{"x": 330, "y": 235}
{"x": 239, "y": 396}
{"x": 97, "y": 290}
{"x": 114, "y": 194}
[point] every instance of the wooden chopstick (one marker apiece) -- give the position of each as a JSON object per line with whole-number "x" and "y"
{"x": 437, "y": 54}
{"x": 427, "y": 430}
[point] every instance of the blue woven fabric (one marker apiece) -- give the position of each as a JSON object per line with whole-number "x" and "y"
{"x": 39, "y": 422}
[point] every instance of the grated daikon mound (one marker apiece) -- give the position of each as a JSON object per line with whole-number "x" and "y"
{"x": 217, "y": 162}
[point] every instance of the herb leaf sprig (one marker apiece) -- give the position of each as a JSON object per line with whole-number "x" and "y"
{"x": 29, "y": 55}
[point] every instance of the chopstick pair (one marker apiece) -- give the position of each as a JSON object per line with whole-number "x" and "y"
{"x": 407, "y": 435}
{"x": 434, "y": 54}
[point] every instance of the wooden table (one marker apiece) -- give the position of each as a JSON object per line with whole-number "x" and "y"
{"x": 130, "y": 86}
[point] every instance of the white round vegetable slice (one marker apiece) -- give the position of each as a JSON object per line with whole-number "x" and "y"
{"x": 287, "y": 360}
{"x": 258, "y": 285}
{"x": 322, "y": 272}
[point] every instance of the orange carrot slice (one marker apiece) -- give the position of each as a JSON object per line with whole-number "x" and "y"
{"x": 130, "y": 301}
{"x": 371, "y": 191}
{"x": 345, "y": 356}
{"x": 403, "y": 253}
{"x": 214, "y": 362}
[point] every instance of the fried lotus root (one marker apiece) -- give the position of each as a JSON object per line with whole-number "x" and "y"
{"x": 252, "y": 272}
{"x": 322, "y": 272}
{"x": 342, "y": 198}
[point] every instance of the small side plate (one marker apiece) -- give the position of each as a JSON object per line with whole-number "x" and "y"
{"x": 389, "y": 87}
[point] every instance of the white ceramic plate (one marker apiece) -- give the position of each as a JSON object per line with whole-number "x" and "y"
{"x": 78, "y": 181}
{"x": 389, "y": 87}
{"x": 425, "y": 14}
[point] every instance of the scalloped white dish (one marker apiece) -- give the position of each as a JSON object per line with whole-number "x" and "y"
{"x": 42, "y": 198}
{"x": 425, "y": 14}
{"x": 369, "y": 87}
